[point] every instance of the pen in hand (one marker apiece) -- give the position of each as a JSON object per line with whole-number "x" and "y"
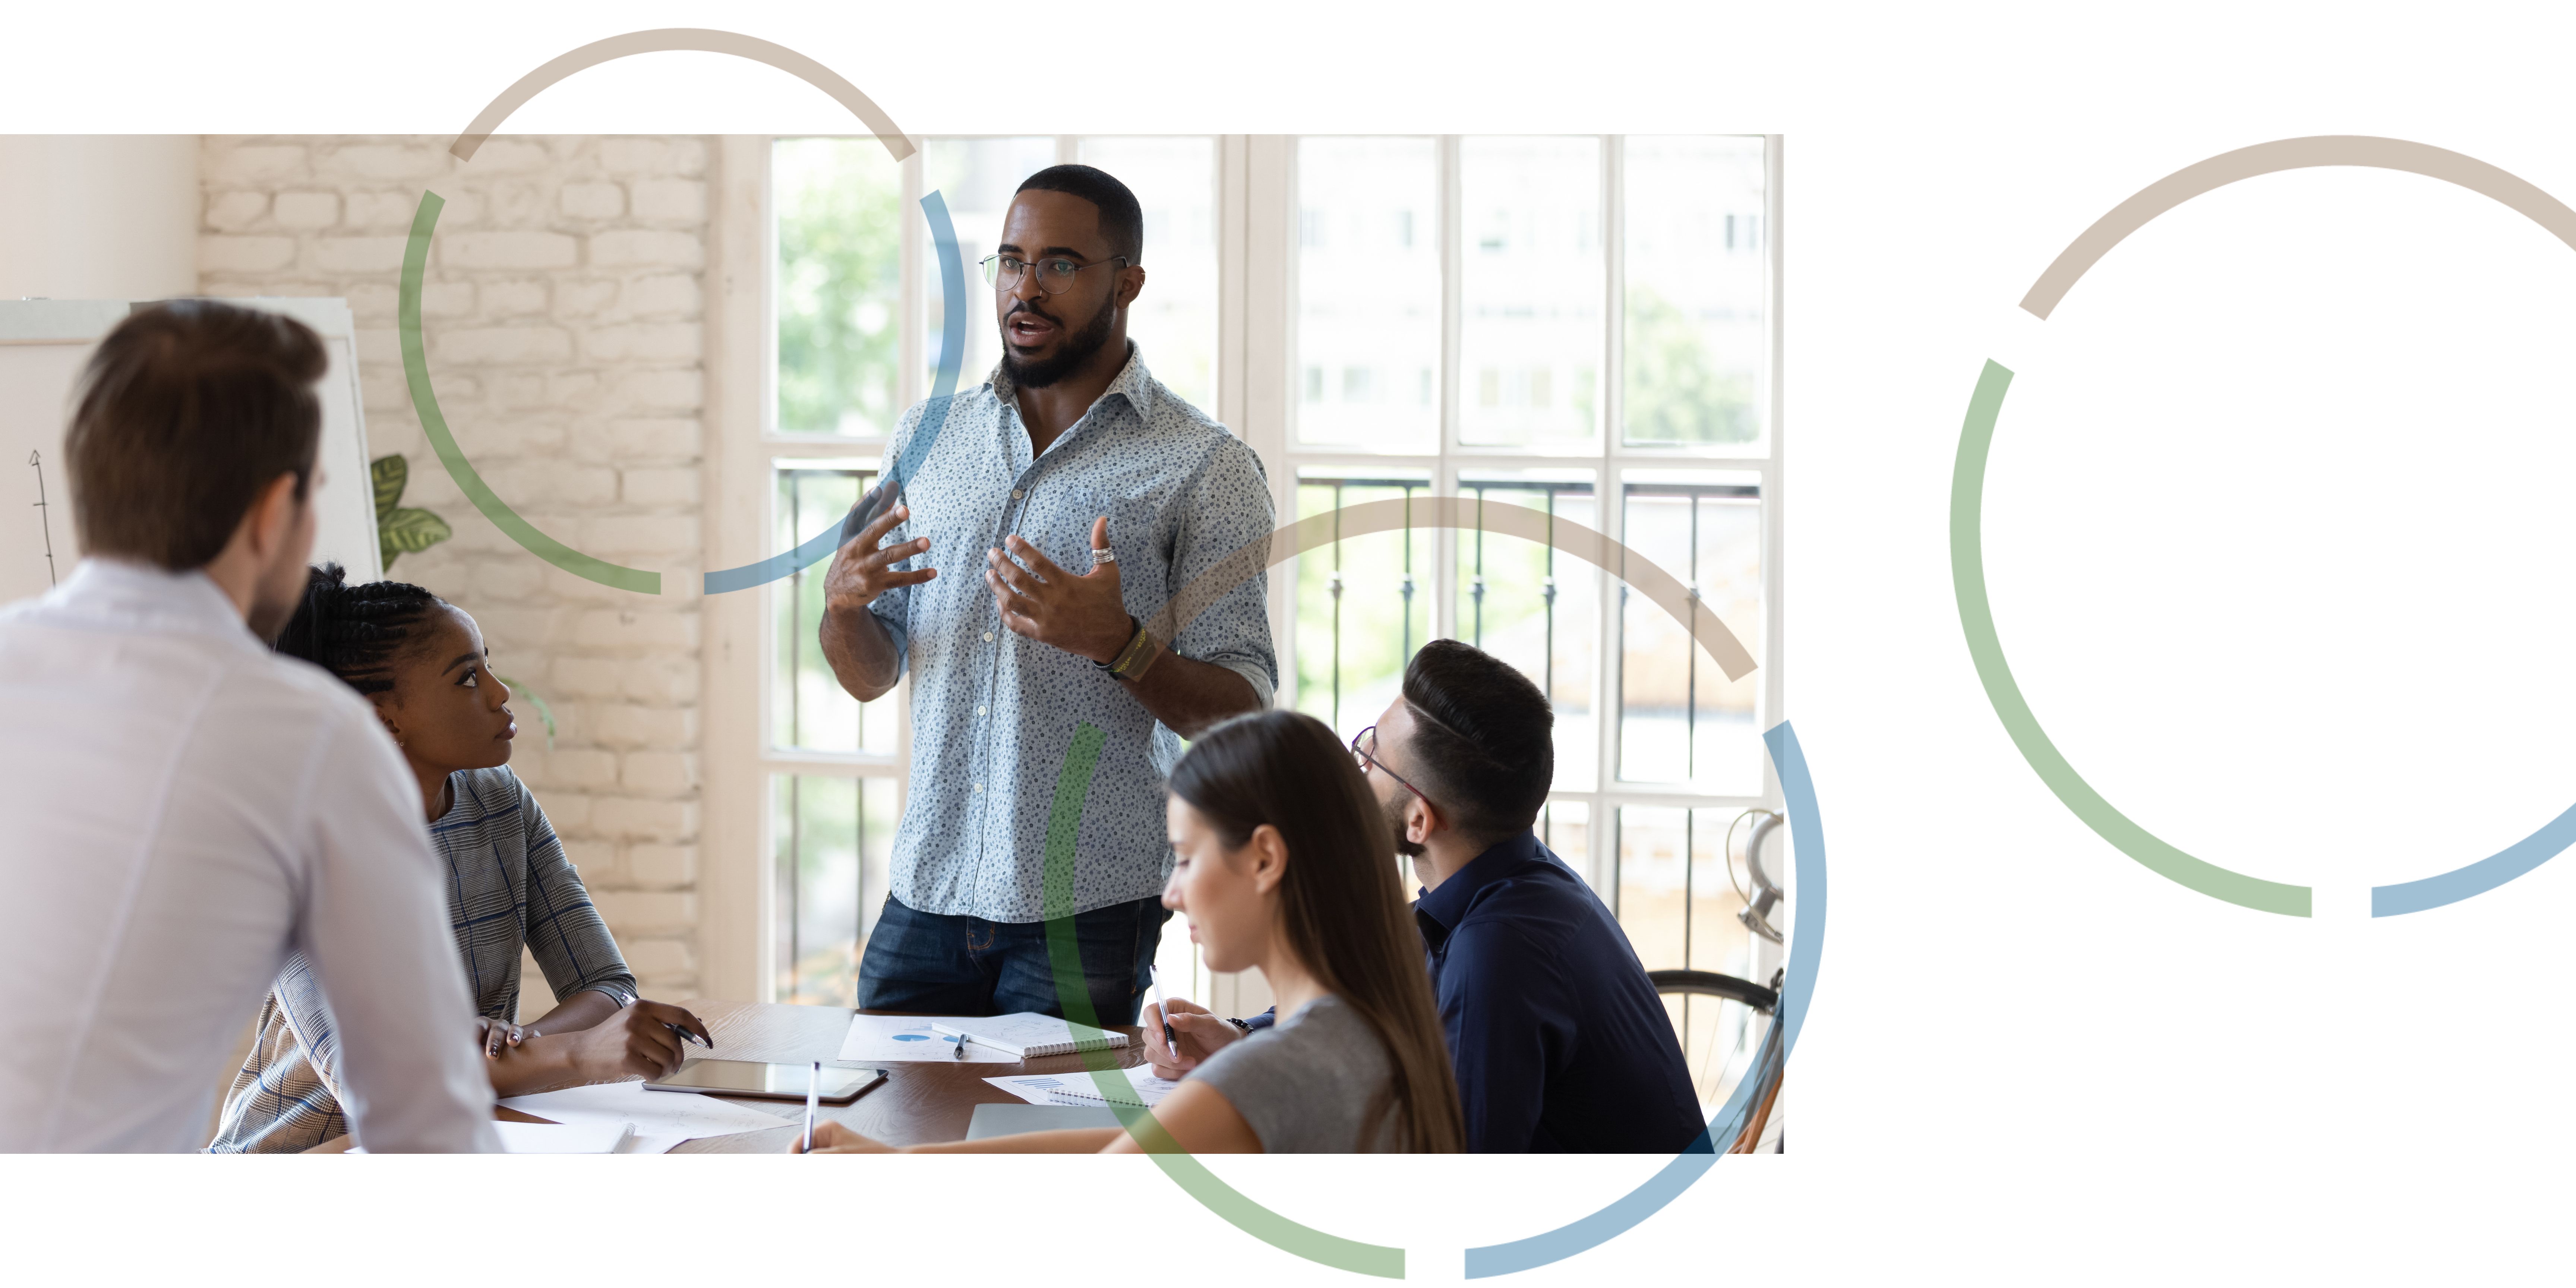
{"x": 686, "y": 1034}
{"x": 1171, "y": 1042}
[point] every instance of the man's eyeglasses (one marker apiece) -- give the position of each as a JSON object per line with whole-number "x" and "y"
{"x": 1056, "y": 274}
{"x": 1368, "y": 760}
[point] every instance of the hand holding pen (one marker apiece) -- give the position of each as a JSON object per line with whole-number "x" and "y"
{"x": 642, "y": 1039}
{"x": 678, "y": 1020}
{"x": 585, "y": 1041}
{"x": 1162, "y": 1010}
{"x": 1200, "y": 1034}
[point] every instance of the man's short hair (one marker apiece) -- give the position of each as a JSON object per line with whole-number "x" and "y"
{"x": 188, "y": 409}
{"x": 1484, "y": 740}
{"x": 1122, "y": 221}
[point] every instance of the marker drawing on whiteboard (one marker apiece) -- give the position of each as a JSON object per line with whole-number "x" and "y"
{"x": 44, "y": 515}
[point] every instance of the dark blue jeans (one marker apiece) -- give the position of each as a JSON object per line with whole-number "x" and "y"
{"x": 931, "y": 964}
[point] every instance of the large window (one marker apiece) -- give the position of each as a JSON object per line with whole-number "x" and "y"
{"x": 1581, "y": 326}
{"x": 1459, "y": 303}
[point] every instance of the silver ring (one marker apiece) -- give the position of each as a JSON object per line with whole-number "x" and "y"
{"x": 1099, "y": 557}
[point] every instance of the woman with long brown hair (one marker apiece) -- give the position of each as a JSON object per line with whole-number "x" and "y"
{"x": 1284, "y": 865}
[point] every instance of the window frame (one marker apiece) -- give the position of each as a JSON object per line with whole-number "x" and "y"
{"x": 1610, "y": 463}
{"x": 1256, "y": 383}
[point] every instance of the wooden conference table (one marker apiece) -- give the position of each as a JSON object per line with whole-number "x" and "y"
{"x": 920, "y": 1101}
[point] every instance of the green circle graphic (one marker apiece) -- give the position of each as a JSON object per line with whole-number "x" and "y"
{"x": 1967, "y": 490}
{"x": 1976, "y": 616}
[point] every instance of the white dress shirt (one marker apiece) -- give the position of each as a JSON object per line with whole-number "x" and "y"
{"x": 180, "y": 809}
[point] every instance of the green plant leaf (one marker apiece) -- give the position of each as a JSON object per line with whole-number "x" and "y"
{"x": 407, "y": 531}
{"x": 544, "y": 713}
{"x": 389, "y": 474}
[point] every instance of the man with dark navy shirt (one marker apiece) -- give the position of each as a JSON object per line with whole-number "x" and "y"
{"x": 1559, "y": 1040}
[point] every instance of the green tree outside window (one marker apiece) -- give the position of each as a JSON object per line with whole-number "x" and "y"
{"x": 839, "y": 283}
{"x": 1675, "y": 392}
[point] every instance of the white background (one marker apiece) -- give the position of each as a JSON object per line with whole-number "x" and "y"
{"x": 2279, "y": 547}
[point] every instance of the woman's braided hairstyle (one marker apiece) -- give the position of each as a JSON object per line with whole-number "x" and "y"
{"x": 354, "y": 631}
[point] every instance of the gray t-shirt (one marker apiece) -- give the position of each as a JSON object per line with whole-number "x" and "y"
{"x": 1306, "y": 1084}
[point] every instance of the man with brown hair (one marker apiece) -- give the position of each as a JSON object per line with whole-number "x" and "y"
{"x": 184, "y": 808}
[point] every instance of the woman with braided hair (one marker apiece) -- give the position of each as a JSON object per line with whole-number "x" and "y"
{"x": 421, "y": 661}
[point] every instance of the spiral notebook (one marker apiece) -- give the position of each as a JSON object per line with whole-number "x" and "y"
{"x": 1149, "y": 1090}
{"x": 1029, "y": 1034}
{"x": 1142, "y": 1088}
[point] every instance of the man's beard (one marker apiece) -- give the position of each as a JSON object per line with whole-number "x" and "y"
{"x": 1077, "y": 350}
{"x": 1394, "y": 807}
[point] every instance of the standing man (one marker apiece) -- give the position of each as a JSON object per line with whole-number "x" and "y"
{"x": 1062, "y": 503}
{"x": 187, "y": 808}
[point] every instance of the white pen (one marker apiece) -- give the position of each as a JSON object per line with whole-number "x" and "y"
{"x": 813, "y": 1091}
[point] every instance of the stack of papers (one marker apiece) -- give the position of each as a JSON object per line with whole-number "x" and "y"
{"x": 1083, "y": 1089}
{"x": 671, "y": 1116}
{"x": 876, "y": 1039}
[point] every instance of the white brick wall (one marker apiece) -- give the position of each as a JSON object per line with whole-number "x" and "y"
{"x": 563, "y": 312}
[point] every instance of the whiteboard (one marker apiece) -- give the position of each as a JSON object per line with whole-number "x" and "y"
{"x": 44, "y": 344}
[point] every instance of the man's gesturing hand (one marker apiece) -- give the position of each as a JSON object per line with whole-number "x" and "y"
{"x": 1081, "y": 615}
{"x": 861, "y": 571}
